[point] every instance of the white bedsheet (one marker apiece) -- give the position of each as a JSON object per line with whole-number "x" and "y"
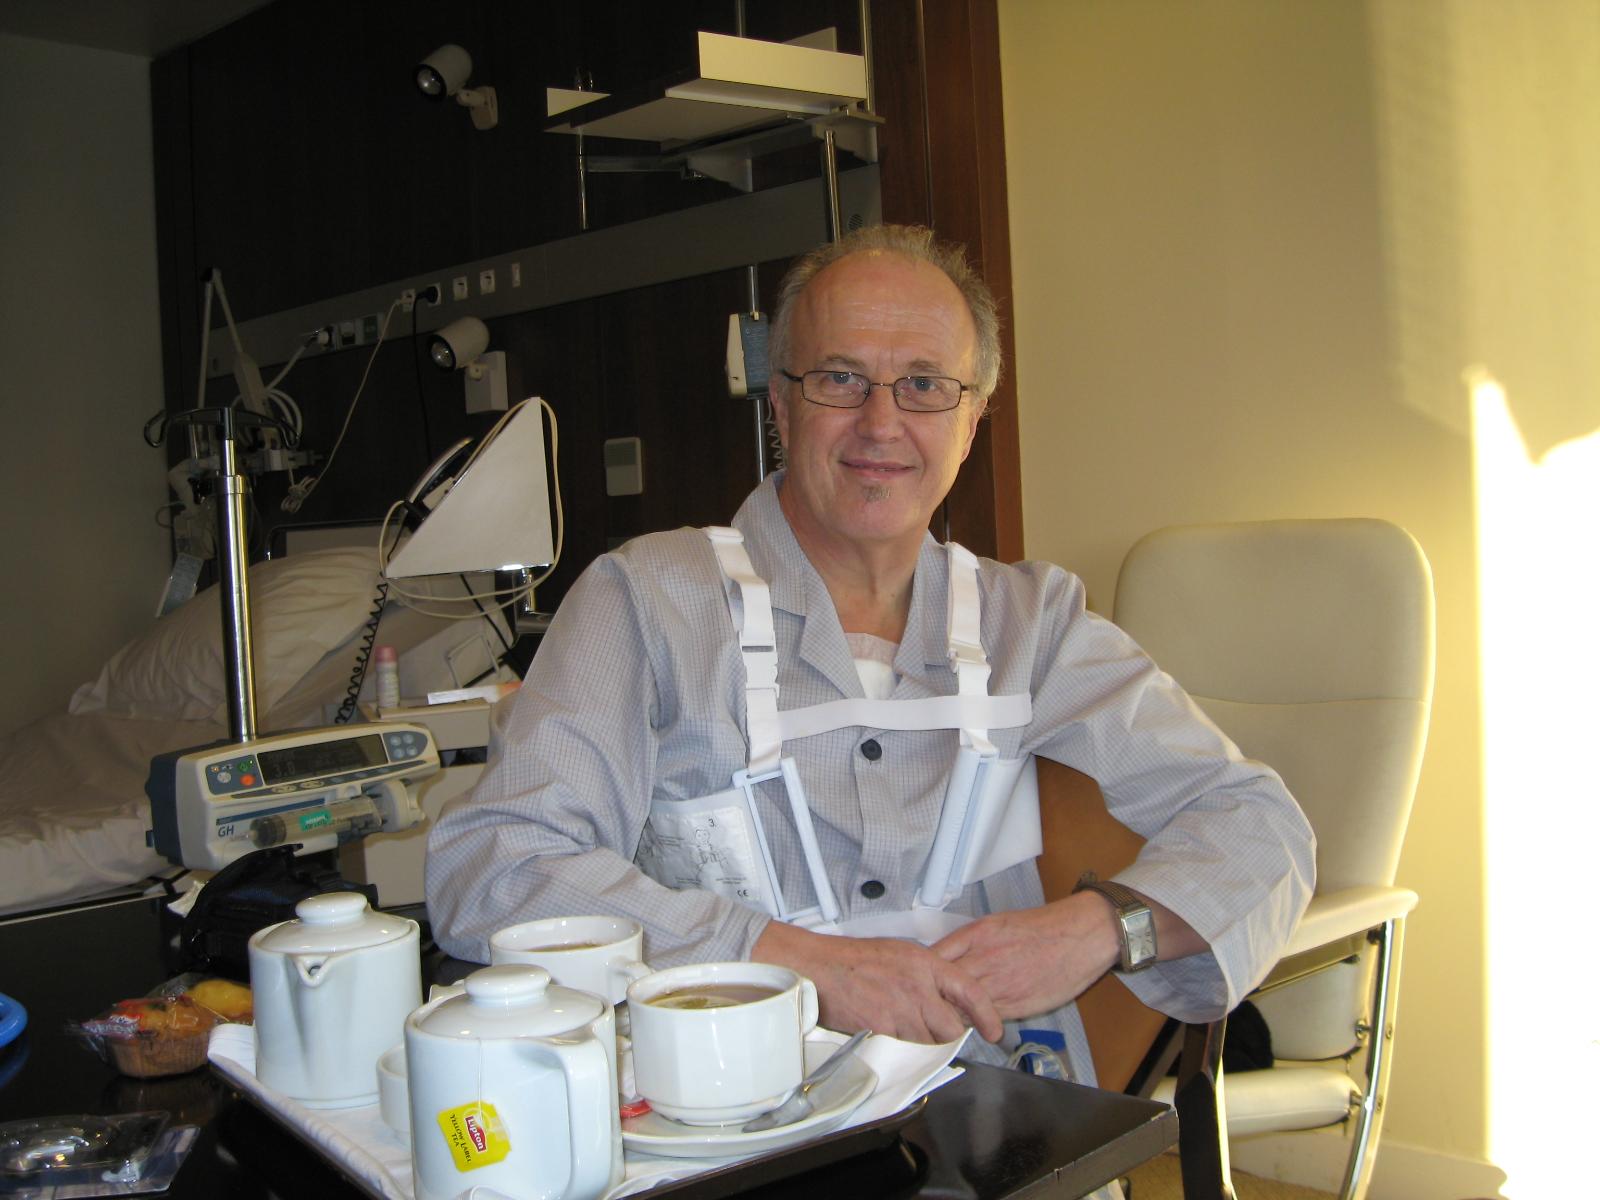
{"x": 73, "y": 812}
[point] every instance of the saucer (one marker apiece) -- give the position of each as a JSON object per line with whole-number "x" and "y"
{"x": 835, "y": 1098}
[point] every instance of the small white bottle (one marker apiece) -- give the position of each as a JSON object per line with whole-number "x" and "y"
{"x": 387, "y": 665}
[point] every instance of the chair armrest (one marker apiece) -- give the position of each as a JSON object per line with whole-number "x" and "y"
{"x": 1341, "y": 914}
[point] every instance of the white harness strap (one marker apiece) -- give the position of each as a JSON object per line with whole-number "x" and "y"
{"x": 978, "y": 713}
{"x": 757, "y": 644}
{"x": 967, "y": 659}
{"x": 971, "y": 710}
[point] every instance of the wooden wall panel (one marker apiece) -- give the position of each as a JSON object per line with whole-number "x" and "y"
{"x": 944, "y": 165}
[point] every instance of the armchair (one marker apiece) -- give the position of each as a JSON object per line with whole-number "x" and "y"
{"x": 1311, "y": 644}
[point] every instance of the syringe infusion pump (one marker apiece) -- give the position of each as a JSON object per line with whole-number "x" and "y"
{"x": 315, "y": 787}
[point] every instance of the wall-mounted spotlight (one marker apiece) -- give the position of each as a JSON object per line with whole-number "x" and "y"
{"x": 464, "y": 345}
{"x": 445, "y": 73}
{"x": 458, "y": 343}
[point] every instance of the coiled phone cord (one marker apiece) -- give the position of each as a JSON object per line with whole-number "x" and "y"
{"x": 358, "y": 674}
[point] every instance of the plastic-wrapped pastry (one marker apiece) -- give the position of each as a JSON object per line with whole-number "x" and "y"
{"x": 160, "y": 1035}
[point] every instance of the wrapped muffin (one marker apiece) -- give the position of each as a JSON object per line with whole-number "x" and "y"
{"x": 156, "y": 1035}
{"x": 168, "y": 1031}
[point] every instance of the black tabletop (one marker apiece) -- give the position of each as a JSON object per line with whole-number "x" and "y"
{"x": 992, "y": 1133}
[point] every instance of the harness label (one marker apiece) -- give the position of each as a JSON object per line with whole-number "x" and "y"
{"x": 706, "y": 843}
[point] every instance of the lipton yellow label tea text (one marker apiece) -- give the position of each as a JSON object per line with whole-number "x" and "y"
{"x": 475, "y": 1135}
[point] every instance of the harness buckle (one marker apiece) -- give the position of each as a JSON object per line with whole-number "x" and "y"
{"x": 761, "y": 668}
{"x": 966, "y": 654}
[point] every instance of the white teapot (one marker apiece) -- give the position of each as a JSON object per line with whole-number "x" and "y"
{"x": 332, "y": 991}
{"x": 512, "y": 1089}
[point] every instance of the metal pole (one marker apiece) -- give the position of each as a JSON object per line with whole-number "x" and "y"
{"x": 1369, "y": 1114}
{"x": 583, "y": 82}
{"x": 830, "y": 182}
{"x": 583, "y": 188}
{"x": 864, "y": 7}
{"x": 753, "y": 294}
{"x": 234, "y": 556}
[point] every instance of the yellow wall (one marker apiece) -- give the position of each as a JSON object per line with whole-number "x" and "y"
{"x": 1203, "y": 204}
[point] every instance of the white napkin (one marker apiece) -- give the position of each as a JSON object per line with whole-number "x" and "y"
{"x": 380, "y": 1159}
{"x": 357, "y": 1138}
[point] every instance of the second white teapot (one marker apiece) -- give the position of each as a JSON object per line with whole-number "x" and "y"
{"x": 512, "y": 1089}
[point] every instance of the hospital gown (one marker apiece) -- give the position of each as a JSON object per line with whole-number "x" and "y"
{"x": 638, "y": 691}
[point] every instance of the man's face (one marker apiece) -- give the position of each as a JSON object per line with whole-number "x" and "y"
{"x": 873, "y": 474}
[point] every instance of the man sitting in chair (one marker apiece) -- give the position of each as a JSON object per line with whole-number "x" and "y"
{"x": 820, "y": 721}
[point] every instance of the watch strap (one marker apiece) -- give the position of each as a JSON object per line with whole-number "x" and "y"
{"x": 1131, "y": 909}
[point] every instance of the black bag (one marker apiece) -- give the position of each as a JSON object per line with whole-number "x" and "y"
{"x": 248, "y": 894}
{"x": 1247, "y": 1045}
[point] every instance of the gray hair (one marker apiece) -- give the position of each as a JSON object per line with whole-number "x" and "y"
{"x": 914, "y": 242}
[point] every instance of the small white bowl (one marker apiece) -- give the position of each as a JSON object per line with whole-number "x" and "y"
{"x": 394, "y": 1102}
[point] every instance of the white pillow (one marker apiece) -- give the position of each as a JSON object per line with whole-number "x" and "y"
{"x": 300, "y": 608}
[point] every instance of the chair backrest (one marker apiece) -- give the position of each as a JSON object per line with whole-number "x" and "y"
{"x": 1310, "y": 643}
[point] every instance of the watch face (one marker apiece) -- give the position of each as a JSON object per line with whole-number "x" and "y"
{"x": 1141, "y": 930}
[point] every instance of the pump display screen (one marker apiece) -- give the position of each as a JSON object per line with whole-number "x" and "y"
{"x": 321, "y": 758}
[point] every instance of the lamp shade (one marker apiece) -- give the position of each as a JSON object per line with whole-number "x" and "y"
{"x": 496, "y": 514}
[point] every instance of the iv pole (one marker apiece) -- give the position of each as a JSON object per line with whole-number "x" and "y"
{"x": 233, "y": 554}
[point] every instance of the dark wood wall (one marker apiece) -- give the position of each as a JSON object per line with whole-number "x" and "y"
{"x": 294, "y": 154}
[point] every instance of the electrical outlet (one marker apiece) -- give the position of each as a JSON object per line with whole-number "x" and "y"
{"x": 433, "y": 294}
{"x": 486, "y": 282}
{"x": 516, "y": 274}
{"x": 408, "y": 299}
{"x": 459, "y": 288}
{"x": 370, "y": 326}
{"x": 349, "y": 335}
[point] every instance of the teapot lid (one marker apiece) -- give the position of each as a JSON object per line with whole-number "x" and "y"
{"x": 511, "y": 1000}
{"x": 331, "y": 922}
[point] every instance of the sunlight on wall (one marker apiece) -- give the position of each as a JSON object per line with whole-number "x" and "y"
{"x": 1539, "y": 563}
{"x": 1488, "y": 119}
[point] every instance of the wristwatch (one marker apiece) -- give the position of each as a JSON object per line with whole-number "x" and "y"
{"x": 1136, "y": 924}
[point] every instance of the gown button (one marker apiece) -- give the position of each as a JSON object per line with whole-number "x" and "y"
{"x": 870, "y": 750}
{"x": 872, "y": 889}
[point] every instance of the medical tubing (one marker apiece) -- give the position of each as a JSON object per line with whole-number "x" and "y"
{"x": 478, "y": 604}
{"x": 301, "y": 491}
{"x": 358, "y": 674}
{"x": 205, "y": 339}
{"x": 227, "y": 312}
{"x": 1037, "y": 1059}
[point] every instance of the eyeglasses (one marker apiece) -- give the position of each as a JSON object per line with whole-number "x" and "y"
{"x": 912, "y": 393}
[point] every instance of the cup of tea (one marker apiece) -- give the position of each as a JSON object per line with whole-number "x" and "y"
{"x": 593, "y": 954}
{"x": 715, "y": 1043}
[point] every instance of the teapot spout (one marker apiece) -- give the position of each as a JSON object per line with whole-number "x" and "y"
{"x": 313, "y": 968}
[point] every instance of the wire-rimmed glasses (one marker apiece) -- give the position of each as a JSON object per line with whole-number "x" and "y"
{"x": 848, "y": 389}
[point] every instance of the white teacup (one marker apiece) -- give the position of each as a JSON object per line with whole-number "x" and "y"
{"x": 394, "y": 1098}
{"x": 593, "y": 954}
{"x": 706, "y": 1065}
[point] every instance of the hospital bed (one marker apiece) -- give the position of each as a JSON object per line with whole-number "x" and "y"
{"x": 73, "y": 811}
